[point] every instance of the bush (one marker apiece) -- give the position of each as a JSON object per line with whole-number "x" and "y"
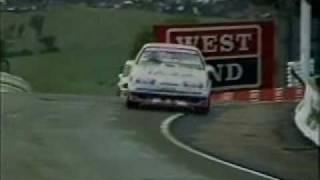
{"x": 23, "y": 52}
{"x": 2, "y": 48}
{"x": 51, "y": 50}
{"x": 5, "y": 65}
{"x": 317, "y": 81}
{"x": 21, "y": 30}
{"x": 49, "y": 43}
{"x": 8, "y": 32}
{"x": 5, "y": 51}
{"x": 36, "y": 22}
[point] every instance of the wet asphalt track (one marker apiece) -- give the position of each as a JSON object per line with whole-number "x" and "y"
{"x": 97, "y": 138}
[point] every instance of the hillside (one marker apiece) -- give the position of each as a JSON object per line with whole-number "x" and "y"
{"x": 93, "y": 44}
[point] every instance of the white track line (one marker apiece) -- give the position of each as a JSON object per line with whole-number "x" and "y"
{"x": 165, "y": 129}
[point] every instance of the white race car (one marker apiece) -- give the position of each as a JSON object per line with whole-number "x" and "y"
{"x": 167, "y": 74}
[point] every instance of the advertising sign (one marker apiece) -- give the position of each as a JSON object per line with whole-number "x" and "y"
{"x": 241, "y": 54}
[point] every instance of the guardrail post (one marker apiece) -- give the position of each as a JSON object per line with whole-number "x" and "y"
{"x": 305, "y": 38}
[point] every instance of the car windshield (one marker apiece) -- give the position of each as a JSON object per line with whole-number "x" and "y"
{"x": 187, "y": 58}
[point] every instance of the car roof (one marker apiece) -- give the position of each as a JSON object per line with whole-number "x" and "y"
{"x": 170, "y": 45}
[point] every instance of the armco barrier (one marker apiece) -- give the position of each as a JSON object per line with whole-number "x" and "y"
{"x": 294, "y": 73}
{"x": 261, "y": 95}
{"x": 11, "y": 83}
{"x": 308, "y": 113}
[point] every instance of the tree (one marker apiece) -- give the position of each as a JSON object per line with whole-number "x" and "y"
{"x": 4, "y": 63}
{"x": 21, "y": 30}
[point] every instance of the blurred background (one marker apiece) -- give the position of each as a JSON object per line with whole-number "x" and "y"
{"x": 79, "y": 46}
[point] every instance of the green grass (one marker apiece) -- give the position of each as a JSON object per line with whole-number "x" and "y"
{"x": 94, "y": 43}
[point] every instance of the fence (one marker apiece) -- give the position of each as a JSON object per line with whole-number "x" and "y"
{"x": 294, "y": 72}
{"x": 307, "y": 115}
{"x": 11, "y": 83}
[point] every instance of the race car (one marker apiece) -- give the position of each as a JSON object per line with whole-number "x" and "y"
{"x": 169, "y": 75}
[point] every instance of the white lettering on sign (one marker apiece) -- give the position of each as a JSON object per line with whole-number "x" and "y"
{"x": 227, "y": 43}
{"x": 188, "y": 40}
{"x": 218, "y": 43}
{"x": 244, "y": 38}
{"x": 234, "y": 72}
{"x": 217, "y": 72}
{"x": 233, "y": 50}
{"x": 209, "y": 43}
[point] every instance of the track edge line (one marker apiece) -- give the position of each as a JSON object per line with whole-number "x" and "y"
{"x": 165, "y": 130}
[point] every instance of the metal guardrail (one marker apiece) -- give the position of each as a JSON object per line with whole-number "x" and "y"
{"x": 294, "y": 73}
{"x": 308, "y": 110}
{"x": 11, "y": 83}
{"x": 307, "y": 113}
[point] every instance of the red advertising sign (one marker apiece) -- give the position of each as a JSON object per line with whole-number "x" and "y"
{"x": 242, "y": 54}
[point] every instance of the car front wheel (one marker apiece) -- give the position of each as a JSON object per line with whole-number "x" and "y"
{"x": 131, "y": 104}
{"x": 204, "y": 109}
